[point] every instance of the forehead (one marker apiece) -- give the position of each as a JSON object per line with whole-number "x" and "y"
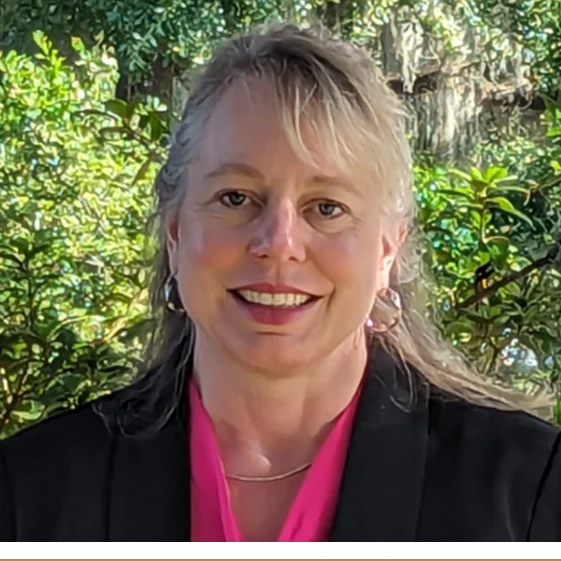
{"x": 245, "y": 126}
{"x": 245, "y": 100}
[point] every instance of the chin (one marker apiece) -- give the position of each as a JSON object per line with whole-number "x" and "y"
{"x": 274, "y": 354}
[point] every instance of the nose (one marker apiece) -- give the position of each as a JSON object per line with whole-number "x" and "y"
{"x": 279, "y": 234}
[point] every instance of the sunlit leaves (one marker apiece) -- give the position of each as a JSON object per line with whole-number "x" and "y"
{"x": 72, "y": 211}
{"x": 483, "y": 225}
{"x": 76, "y": 166}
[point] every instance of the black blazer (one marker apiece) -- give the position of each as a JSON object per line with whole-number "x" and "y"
{"x": 439, "y": 469}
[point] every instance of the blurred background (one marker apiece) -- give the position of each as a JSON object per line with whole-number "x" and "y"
{"x": 90, "y": 91}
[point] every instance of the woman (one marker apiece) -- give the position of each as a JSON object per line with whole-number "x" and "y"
{"x": 295, "y": 391}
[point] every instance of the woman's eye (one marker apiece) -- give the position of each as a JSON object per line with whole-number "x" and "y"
{"x": 233, "y": 199}
{"x": 329, "y": 209}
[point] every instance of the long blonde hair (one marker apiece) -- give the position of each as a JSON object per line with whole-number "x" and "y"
{"x": 338, "y": 90}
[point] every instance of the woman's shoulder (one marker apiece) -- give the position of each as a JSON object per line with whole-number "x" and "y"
{"x": 502, "y": 449}
{"x": 513, "y": 456}
{"x": 457, "y": 419}
{"x": 452, "y": 421}
{"x": 64, "y": 434}
{"x": 62, "y": 458}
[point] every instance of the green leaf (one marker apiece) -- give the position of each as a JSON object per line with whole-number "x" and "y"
{"x": 29, "y": 410}
{"x": 475, "y": 218}
{"x": 513, "y": 289}
{"x": 40, "y": 39}
{"x": 507, "y": 206}
{"x": 117, "y": 107}
{"x": 459, "y": 326}
{"x": 67, "y": 337}
{"x": 464, "y": 205}
{"x": 510, "y": 189}
{"x": 156, "y": 128}
{"x": 469, "y": 195}
{"x": 72, "y": 382}
{"x": 131, "y": 108}
{"x": 142, "y": 171}
{"x": 498, "y": 249}
{"x": 460, "y": 175}
{"x": 476, "y": 175}
{"x": 10, "y": 257}
{"x": 143, "y": 122}
{"x": 78, "y": 45}
{"x": 494, "y": 173}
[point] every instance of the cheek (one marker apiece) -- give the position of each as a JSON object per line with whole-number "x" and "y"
{"x": 350, "y": 261}
{"x": 207, "y": 249}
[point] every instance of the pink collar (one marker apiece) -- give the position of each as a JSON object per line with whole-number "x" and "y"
{"x": 311, "y": 514}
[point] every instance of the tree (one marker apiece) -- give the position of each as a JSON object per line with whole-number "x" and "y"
{"x": 74, "y": 193}
{"x": 83, "y": 133}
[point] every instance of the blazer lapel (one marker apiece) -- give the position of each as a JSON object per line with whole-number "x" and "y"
{"x": 149, "y": 493}
{"x": 149, "y": 496}
{"x": 382, "y": 481}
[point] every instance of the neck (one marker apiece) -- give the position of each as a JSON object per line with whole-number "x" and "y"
{"x": 266, "y": 423}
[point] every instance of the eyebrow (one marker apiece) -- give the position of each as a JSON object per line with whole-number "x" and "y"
{"x": 238, "y": 168}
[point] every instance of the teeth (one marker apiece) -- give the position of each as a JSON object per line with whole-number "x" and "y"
{"x": 268, "y": 299}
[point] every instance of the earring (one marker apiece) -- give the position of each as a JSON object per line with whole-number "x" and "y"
{"x": 390, "y": 298}
{"x": 173, "y": 303}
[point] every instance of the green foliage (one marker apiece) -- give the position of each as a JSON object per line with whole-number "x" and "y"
{"x": 494, "y": 236}
{"x": 537, "y": 28}
{"x": 169, "y": 34}
{"x": 155, "y": 37}
{"x": 77, "y": 165}
{"x": 74, "y": 193}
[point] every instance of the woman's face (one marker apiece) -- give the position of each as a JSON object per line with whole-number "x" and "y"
{"x": 277, "y": 262}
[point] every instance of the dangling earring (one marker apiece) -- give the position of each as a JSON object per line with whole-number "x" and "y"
{"x": 391, "y": 299}
{"x": 171, "y": 298}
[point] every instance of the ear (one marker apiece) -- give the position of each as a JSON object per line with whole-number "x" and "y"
{"x": 391, "y": 243}
{"x": 172, "y": 241}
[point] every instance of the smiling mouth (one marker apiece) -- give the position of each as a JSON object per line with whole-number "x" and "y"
{"x": 277, "y": 300}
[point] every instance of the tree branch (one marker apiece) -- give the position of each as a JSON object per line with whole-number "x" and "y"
{"x": 538, "y": 264}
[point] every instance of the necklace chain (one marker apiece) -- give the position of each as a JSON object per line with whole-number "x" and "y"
{"x": 268, "y": 478}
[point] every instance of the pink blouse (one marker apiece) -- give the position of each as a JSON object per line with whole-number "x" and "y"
{"x": 311, "y": 515}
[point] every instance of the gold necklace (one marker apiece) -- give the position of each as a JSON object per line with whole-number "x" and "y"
{"x": 268, "y": 478}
